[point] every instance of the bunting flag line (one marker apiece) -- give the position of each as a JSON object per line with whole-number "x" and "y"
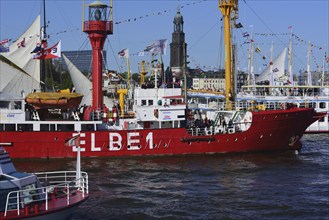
{"x": 4, "y": 46}
{"x": 157, "y": 47}
{"x": 272, "y": 34}
{"x": 294, "y": 35}
{"x": 159, "y": 13}
{"x": 49, "y": 53}
{"x": 124, "y": 53}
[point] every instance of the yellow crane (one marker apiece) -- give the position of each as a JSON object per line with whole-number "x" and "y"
{"x": 229, "y": 9}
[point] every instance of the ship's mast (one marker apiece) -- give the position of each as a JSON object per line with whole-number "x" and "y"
{"x": 309, "y": 74}
{"x": 43, "y": 38}
{"x": 227, "y": 7}
{"x": 251, "y": 61}
{"x": 291, "y": 75}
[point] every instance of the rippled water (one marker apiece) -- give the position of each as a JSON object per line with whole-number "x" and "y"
{"x": 277, "y": 185}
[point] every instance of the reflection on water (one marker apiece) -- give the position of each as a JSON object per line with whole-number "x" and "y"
{"x": 276, "y": 185}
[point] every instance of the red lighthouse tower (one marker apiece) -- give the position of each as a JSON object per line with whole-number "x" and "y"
{"x": 98, "y": 25}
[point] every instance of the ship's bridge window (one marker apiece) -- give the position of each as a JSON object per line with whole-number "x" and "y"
{"x": 150, "y": 102}
{"x": 322, "y": 105}
{"x": 29, "y": 193}
{"x": 4, "y": 104}
{"x": 25, "y": 127}
{"x": 87, "y": 127}
{"x": 47, "y": 127}
{"x": 65, "y": 127}
{"x": 9, "y": 127}
{"x": 143, "y": 102}
{"x": 18, "y": 105}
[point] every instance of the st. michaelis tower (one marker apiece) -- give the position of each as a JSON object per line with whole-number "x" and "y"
{"x": 178, "y": 47}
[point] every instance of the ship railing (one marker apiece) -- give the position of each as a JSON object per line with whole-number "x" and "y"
{"x": 271, "y": 105}
{"x": 288, "y": 91}
{"x": 58, "y": 185}
{"x": 219, "y": 129}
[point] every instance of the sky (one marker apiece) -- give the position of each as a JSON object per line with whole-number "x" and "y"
{"x": 139, "y": 23}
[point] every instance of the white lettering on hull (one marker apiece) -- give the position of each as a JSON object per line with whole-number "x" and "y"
{"x": 115, "y": 145}
{"x": 93, "y": 148}
{"x": 115, "y": 142}
{"x": 133, "y": 143}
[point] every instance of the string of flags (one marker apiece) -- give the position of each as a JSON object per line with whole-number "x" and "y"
{"x": 159, "y": 13}
{"x": 294, "y": 35}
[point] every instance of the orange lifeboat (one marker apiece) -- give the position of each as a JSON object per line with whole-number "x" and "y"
{"x": 54, "y": 100}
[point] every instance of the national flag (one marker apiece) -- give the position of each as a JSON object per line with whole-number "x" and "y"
{"x": 50, "y": 53}
{"x": 124, "y": 53}
{"x": 157, "y": 47}
{"x": 37, "y": 49}
{"x": 238, "y": 25}
{"x": 4, "y": 46}
{"x": 290, "y": 27}
{"x": 245, "y": 34}
{"x": 73, "y": 141}
{"x": 21, "y": 43}
{"x": 275, "y": 70}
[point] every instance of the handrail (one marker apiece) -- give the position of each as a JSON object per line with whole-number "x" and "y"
{"x": 60, "y": 180}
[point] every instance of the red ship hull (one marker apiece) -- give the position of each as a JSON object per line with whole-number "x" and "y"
{"x": 269, "y": 130}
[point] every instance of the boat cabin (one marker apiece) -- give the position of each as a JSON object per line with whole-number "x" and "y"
{"x": 11, "y": 180}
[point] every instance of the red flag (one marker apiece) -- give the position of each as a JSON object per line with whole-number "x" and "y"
{"x": 50, "y": 53}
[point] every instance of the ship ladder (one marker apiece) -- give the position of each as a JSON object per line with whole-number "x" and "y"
{"x": 217, "y": 118}
{"x": 35, "y": 116}
{"x": 75, "y": 116}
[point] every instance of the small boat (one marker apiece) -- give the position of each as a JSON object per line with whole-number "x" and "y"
{"x": 54, "y": 100}
{"x": 47, "y": 195}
